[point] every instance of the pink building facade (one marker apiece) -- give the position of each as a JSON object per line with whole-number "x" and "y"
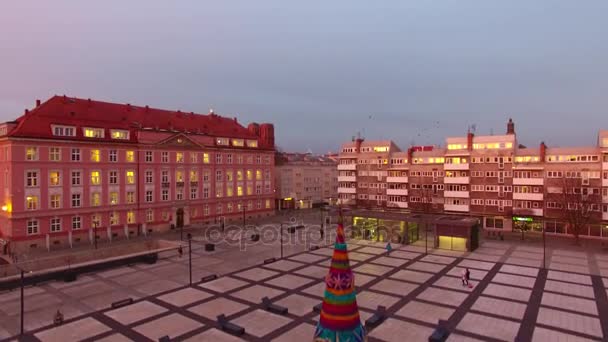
{"x": 74, "y": 169}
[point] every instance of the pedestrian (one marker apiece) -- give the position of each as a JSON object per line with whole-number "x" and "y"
{"x": 322, "y": 232}
{"x": 464, "y": 277}
{"x": 389, "y": 248}
{"x": 180, "y": 251}
{"x": 467, "y": 275}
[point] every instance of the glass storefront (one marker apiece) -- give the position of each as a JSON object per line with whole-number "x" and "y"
{"x": 453, "y": 243}
{"x": 373, "y": 229}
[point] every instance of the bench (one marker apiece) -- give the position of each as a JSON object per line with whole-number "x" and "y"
{"x": 318, "y": 307}
{"x": 270, "y": 261}
{"x": 255, "y": 237}
{"x": 314, "y": 248}
{"x": 209, "y": 247}
{"x": 122, "y": 302}
{"x": 229, "y": 327}
{"x": 377, "y": 318}
{"x": 277, "y": 309}
{"x": 208, "y": 278}
{"x": 440, "y": 334}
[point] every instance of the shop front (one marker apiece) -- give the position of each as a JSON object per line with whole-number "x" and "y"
{"x": 383, "y": 229}
{"x": 527, "y": 223}
{"x": 457, "y": 234}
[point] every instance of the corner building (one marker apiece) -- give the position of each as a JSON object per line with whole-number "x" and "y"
{"x": 493, "y": 178}
{"x": 73, "y": 168}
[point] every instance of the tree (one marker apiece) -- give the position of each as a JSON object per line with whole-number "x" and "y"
{"x": 579, "y": 204}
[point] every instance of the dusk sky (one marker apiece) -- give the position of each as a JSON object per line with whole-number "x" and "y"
{"x": 410, "y": 71}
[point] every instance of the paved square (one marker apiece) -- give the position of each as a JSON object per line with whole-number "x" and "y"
{"x": 81, "y": 329}
{"x": 255, "y": 293}
{"x": 257, "y": 274}
{"x": 172, "y": 325}
{"x": 488, "y": 326}
{"x": 224, "y": 284}
{"x": 216, "y": 307}
{"x": 425, "y": 312}
{"x": 259, "y": 323}
{"x": 393, "y": 330}
{"x": 135, "y": 312}
{"x": 446, "y": 297}
{"x": 186, "y": 296}
{"x": 289, "y": 281}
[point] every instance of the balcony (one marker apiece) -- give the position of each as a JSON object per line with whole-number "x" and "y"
{"x": 605, "y": 166}
{"x": 604, "y": 182}
{"x": 456, "y": 166}
{"x": 347, "y": 190}
{"x": 347, "y": 178}
{"x": 528, "y": 181}
{"x": 399, "y": 192}
{"x": 401, "y": 179}
{"x": 605, "y": 216}
{"x": 456, "y": 207}
{"x": 393, "y": 204}
{"x": 527, "y": 212}
{"x": 179, "y": 184}
{"x": 165, "y": 184}
{"x": 456, "y": 180}
{"x": 193, "y": 184}
{"x": 347, "y": 167}
{"x": 459, "y": 194}
{"x": 527, "y": 196}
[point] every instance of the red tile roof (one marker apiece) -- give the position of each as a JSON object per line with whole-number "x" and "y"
{"x": 61, "y": 110}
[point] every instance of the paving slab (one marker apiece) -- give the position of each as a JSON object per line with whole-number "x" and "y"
{"x": 302, "y": 332}
{"x": 77, "y": 330}
{"x": 413, "y": 276}
{"x": 257, "y": 274}
{"x": 500, "y": 307}
{"x": 297, "y": 304}
{"x": 371, "y": 300}
{"x": 570, "y": 303}
{"x": 393, "y": 330}
{"x": 135, "y": 312}
{"x": 396, "y": 287}
{"x": 425, "y": 312}
{"x": 508, "y": 292}
{"x": 172, "y": 325}
{"x": 260, "y": 323}
{"x": 216, "y": 307}
{"x": 441, "y": 296}
{"x": 489, "y": 326}
{"x": 223, "y": 284}
{"x": 214, "y": 335}
{"x": 570, "y": 321}
{"x": 184, "y": 297}
{"x": 543, "y": 335}
{"x": 289, "y": 281}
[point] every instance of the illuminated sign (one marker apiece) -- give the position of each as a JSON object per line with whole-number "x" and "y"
{"x": 288, "y": 198}
{"x": 522, "y": 219}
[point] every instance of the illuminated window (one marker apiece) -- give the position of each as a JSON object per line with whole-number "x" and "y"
{"x": 222, "y": 141}
{"x": 252, "y": 143}
{"x": 239, "y": 190}
{"x": 55, "y": 201}
{"x": 267, "y": 204}
{"x": 130, "y": 217}
{"x": 54, "y": 178}
{"x": 114, "y": 218}
{"x": 93, "y": 132}
{"x": 457, "y": 146}
{"x": 31, "y": 153}
{"x": 130, "y": 197}
{"x": 130, "y": 156}
{"x": 229, "y": 190}
{"x": 249, "y": 190}
{"x": 239, "y": 175}
{"x": 95, "y": 199}
{"x": 206, "y": 158}
{"x": 55, "y": 154}
{"x": 31, "y": 202}
{"x": 380, "y": 148}
{"x": 229, "y": 176}
{"x": 249, "y": 175}
{"x": 258, "y": 174}
{"x": 113, "y": 198}
{"x": 95, "y": 156}
{"x": 119, "y": 134}
{"x": 193, "y": 176}
{"x": 238, "y": 142}
{"x": 179, "y": 157}
{"x": 179, "y": 176}
{"x": 130, "y": 177}
{"x": 509, "y": 145}
{"x": 95, "y": 178}
{"x": 219, "y": 192}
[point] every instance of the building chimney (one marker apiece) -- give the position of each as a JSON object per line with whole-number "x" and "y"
{"x": 89, "y": 102}
{"x": 510, "y": 127}
{"x": 26, "y": 112}
{"x": 469, "y": 141}
{"x": 37, "y": 103}
{"x": 543, "y": 151}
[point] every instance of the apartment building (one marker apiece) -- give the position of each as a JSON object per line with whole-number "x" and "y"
{"x": 74, "y": 166}
{"x": 493, "y": 178}
{"x": 304, "y": 180}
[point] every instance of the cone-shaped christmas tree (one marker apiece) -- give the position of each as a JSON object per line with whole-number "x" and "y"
{"x": 339, "y": 320}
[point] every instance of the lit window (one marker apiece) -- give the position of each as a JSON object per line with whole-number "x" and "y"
{"x": 119, "y": 134}
{"x": 55, "y": 201}
{"x": 31, "y": 153}
{"x": 113, "y": 198}
{"x": 258, "y": 174}
{"x": 54, "y": 178}
{"x": 219, "y": 192}
{"x": 179, "y": 176}
{"x": 193, "y": 176}
{"x": 93, "y": 132}
{"x": 95, "y": 199}
{"x": 130, "y": 156}
{"x": 249, "y": 175}
{"x": 229, "y": 177}
{"x": 249, "y": 190}
{"x": 179, "y": 157}
{"x": 95, "y": 156}
{"x": 239, "y": 175}
{"x": 95, "y": 178}
{"x": 238, "y": 142}
{"x": 130, "y": 217}
{"x": 267, "y": 204}
{"x": 130, "y": 177}
{"x": 95, "y": 220}
{"x": 509, "y": 145}
{"x": 239, "y": 190}
{"x": 31, "y": 202}
{"x": 229, "y": 190}
{"x": 206, "y": 158}
{"x": 252, "y": 143}
{"x": 114, "y": 218}
{"x": 55, "y": 154}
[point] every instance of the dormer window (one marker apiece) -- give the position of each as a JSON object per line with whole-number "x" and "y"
{"x": 252, "y": 143}
{"x": 238, "y": 142}
{"x": 93, "y": 132}
{"x": 119, "y": 134}
{"x": 63, "y": 131}
{"x": 222, "y": 141}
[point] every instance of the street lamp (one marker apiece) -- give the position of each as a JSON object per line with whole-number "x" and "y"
{"x": 281, "y": 240}
{"x": 95, "y": 232}
{"x": 190, "y": 255}
{"x": 22, "y": 315}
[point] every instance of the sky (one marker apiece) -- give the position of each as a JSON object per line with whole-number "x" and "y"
{"x": 323, "y": 71}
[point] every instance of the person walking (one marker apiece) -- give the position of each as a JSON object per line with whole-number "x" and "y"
{"x": 463, "y": 275}
{"x": 180, "y": 251}
{"x": 467, "y": 275}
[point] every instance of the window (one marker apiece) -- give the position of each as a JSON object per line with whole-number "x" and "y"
{"x": 219, "y": 208}
{"x": 95, "y": 199}
{"x": 252, "y": 143}
{"x": 239, "y": 190}
{"x": 32, "y": 227}
{"x": 149, "y": 215}
{"x": 229, "y": 190}
{"x": 113, "y": 155}
{"x": 31, "y": 178}
{"x": 95, "y": 220}
{"x": 130, "y": 217}
{"x": 31, "y": 153}
{"x": 114, "y": 218}
{"x": 130, "y": 156}
{"x": 239, "y": 175}
{"x": 193, "y": 193}
{"x": 258, "y": 159}
{"x": 55, "y": 224}
{"x": 218, "y": 158}
{"x": 130, "y": 197}
{"x": 76, "y": 200}
{"x": 206, "y": 158}
{"x": 149, "y": 177}
{"x": 113, "y": 177}
{"x": 219, "y": 191}
{"x": 249, "y": 175}
{"x": 193, "y": 158}
{"x": 222, "y": 141}
{"x": 75, "y": 154}
{"x": 130, "y": 177}
{"x": 267, "y": 204}
{"x": 93, "y": 132}
{"x": 55, "y": 201}
{"x": 229, "y": 177}
{"x": 31, "y": 202}
{"x": 119, "y": 134}
{"x": 258, "y": 189}
{"x": 164, "y": 176}
{"x": 95, "y": 178}
{"x": 55, "y": 154}
{"x": 76, "y": 222}
{"x": 179, "y": 194}
{"x": 148, "y": 157}
{"x": 149, "y": 196}
{"x": 249, "y": 190}
{"x": 193, "y": 176}
{"x": 179, "y": 157}
{"x": 218, "y": 176}
{"x": 64, "y": 131}
{"x": 258, "y": 174}
{"x": 205, "y": 192}
{"x": 239, "y": 159}
{"x": 229, "y": 207}
{"x": 229, "y": 158}
{"x": 113, "y": 198}
{"x": 164, "y": 196}
{"x": 95, "y": 156}
{"x": 206, "y": 176}
{"x": 164, "y": 157}
{"x": 76, "y": 181}
{"x": 206, "y": 210}
{"x": 238, "y": 142}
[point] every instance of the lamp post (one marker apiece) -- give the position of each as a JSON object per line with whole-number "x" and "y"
{"x": 281, "y": 240}
{"x": 22, "y": 310}
{"x": 190, "y": 256}
{"x": 95, "y": 232}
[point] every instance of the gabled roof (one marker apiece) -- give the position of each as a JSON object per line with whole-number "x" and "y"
{"x": 62, "y": 110}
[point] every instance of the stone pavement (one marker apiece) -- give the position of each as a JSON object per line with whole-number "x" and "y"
{"x": 511, "y": 297}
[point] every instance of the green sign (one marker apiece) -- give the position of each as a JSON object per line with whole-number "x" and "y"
{"x": 524, "y": 219}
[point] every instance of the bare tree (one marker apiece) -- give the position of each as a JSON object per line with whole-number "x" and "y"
{"x": 579, "y": 205}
